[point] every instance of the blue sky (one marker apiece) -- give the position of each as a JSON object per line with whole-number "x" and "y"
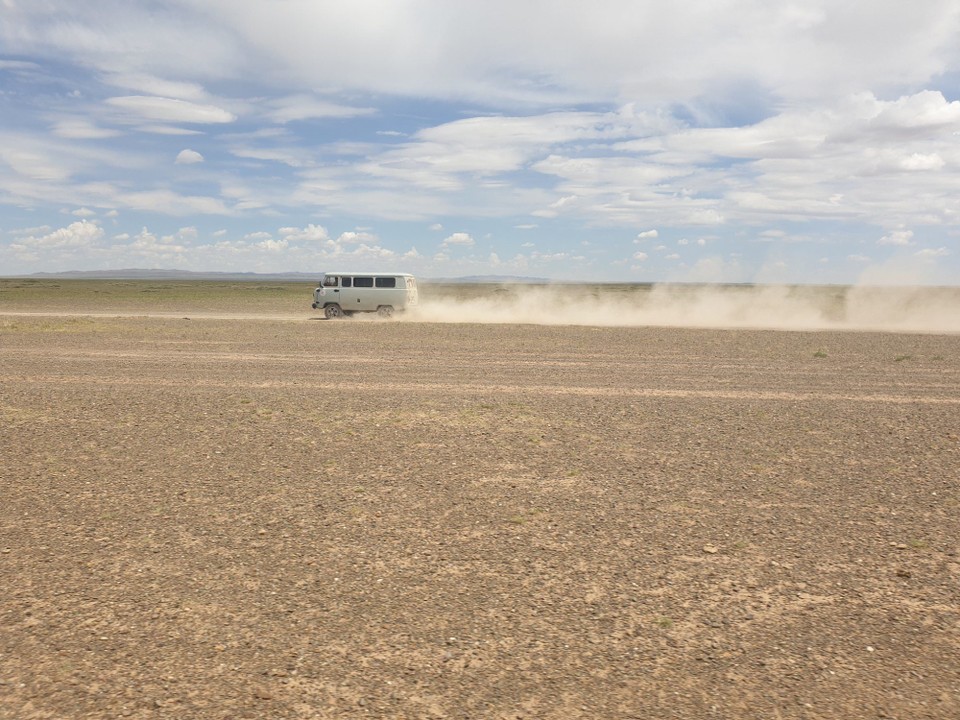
{"x": 697, "y": 140}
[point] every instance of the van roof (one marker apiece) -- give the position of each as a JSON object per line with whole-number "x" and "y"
{"x": 367, "y": 274}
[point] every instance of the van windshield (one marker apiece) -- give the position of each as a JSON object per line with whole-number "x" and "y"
{"x": 330, "y": 281}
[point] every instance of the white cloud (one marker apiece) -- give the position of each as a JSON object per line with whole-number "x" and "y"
{"x": 310, "y": 234}
{"x": 151, "y": 85}
{"x": 147, "y": 246}
{"x": 18, "y": 65}
{"x": 82, "y": 234}
{"x": 305, "y": 107}
{"x": 640, "y": 256}
{"x": 38, "y": 230}
{"x": 188, "y": 157}
{"x": 922, "y": 161}
{"x": 932, "y": 253}
{"x": 166, "y": 130}
{"x": 646, "y": 235}
{"x": 188, "y": 233}
{"x": 171, "y": 203}
{"x": 35, "y": 163}
{"x": 273, "y": 245}
{"x": 459, "y": 238}
{"x": 355, "y": 238}
{"x": 371, "y": 252}
{"x": 143, "y": 107}
{"x": 897, "y": 237}
{"x": 288, "y": 156}
{"x": 81, "y": 129}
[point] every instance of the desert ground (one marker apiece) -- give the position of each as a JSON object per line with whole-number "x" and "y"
{"x": 208, "y": 512}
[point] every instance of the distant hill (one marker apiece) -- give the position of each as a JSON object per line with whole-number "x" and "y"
{"x": 141, "y": 274}
{"x": 492, "y": 279}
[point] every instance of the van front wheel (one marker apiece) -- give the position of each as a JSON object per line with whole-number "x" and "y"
{"x": 385, "y": 311}
{"x": 332, "y": 312}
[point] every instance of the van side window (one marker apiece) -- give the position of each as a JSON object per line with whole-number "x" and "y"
{"x": 386, "y": 282}
{"x": 363, "y": 282}
{"x": 346, "y": 282}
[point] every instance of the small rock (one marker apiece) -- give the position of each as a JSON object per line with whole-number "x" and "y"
{"x": 711, "y": 549}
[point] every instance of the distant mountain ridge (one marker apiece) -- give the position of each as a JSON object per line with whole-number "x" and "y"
{"x": 161, "y": 274}
{"x": 169, "y": 274}
{"x": 492, "y": 279}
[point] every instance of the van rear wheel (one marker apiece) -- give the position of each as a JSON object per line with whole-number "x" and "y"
{"x": 385, "y": 311}
{"x": 332, "y": 312}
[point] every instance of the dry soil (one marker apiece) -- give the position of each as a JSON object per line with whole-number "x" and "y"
{"x": 250, "y": 518}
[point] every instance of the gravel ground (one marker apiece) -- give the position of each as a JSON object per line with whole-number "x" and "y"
{"x": 215, "y": 518}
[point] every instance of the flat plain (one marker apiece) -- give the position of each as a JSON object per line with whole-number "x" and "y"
{"x": 279, "y": 516}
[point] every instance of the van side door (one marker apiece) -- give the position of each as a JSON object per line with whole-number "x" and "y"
{"x": 344, "y": 291}
{"x": 362, "y": 298}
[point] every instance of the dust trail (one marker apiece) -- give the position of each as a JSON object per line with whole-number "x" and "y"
{"x": 900, "y": 309}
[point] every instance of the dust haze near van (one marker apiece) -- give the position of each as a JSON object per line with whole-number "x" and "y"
{"x": 900, "y": 309}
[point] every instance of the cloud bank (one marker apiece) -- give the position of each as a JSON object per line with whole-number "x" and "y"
{"x": 780, "y": 141}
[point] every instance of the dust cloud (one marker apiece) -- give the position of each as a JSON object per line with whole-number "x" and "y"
{"x": 893, "y": 309}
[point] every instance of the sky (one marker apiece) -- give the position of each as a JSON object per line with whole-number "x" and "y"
{"x": 691, "y": 141}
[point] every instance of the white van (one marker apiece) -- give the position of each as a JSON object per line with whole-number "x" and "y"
{"x": 340, "y": 294}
